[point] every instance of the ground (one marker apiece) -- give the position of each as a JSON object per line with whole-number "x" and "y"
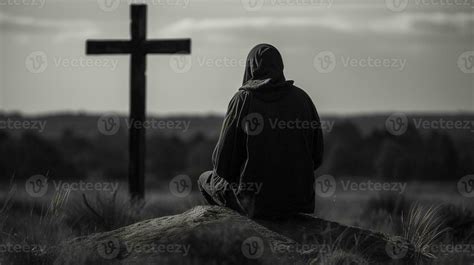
{"x": 216, "y": 235}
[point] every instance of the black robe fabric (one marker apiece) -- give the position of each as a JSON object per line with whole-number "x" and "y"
{"x": 282, "y": 160}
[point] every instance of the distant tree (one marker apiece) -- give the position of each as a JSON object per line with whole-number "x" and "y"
{"x": 4, "y": 139}
{"x": 342, "y": 150}
{"x": 31, "y": 154}
{"x": 440, "y": 158}
{"x": 4, "y": 136}
{"x": 108, "y": 156}
{"x": 199, "y": 158}
{"x": 409, "y": 159}
{"x": 388, "y": 161}
{"x": 167, "y": 156}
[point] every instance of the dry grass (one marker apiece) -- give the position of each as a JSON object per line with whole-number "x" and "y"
{"x": 64, "y": 216}
{"x": 339, "y": 257}
{"x": 422, "y": 227}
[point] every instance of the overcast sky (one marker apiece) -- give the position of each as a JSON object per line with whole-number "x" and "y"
{"x": 350, "y": 56}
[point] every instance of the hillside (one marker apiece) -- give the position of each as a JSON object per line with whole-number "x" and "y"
{"x": 216, "y": 235}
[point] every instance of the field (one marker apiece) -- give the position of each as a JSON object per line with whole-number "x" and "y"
{"x": 60, "y": 215}
{"x": 421, "y": 170}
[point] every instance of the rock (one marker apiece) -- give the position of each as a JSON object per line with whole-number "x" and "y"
{"x": 216, "y": 235}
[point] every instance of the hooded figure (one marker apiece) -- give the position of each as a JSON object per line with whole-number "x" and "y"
{"x": 270, "y": 144}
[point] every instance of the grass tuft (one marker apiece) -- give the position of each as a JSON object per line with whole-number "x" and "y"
{"x": 422, "y": 227}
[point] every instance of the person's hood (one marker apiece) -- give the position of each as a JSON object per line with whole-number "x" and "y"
{"x": 264, "y": 70}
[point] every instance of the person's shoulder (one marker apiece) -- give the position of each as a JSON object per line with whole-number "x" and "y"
{"x": 240, "y": 95}
{"x": 301, "y": 92}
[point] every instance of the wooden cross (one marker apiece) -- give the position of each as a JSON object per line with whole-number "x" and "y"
{"x": 138, "y": 47}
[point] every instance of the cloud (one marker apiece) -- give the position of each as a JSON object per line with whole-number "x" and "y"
{"x": 406, "y": 23}
{"x": 254, "y": 23}
{"x": 62, "y": 30}
{"x": 437, "y": 22}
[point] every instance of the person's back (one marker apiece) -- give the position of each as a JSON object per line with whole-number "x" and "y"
{"x": 270, "y": 144}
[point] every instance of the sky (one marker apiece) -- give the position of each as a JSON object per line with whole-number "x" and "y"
{"x": 350, "y": 56}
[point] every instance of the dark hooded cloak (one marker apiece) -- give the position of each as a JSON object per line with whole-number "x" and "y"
{"x": 261, "y": 143}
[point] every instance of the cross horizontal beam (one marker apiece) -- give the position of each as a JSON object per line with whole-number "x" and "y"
{"x": 170, "y": 46}
{"x": 108, "y": 47}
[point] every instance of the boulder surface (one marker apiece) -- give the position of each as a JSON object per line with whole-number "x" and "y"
{"x": 217, "y": 235}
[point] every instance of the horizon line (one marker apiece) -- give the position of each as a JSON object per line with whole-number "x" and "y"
{"x": 220, "y": 114}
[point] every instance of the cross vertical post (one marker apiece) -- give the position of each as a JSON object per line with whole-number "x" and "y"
{"x": 138, "y": 47}
{"x": 137, "y": 102}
